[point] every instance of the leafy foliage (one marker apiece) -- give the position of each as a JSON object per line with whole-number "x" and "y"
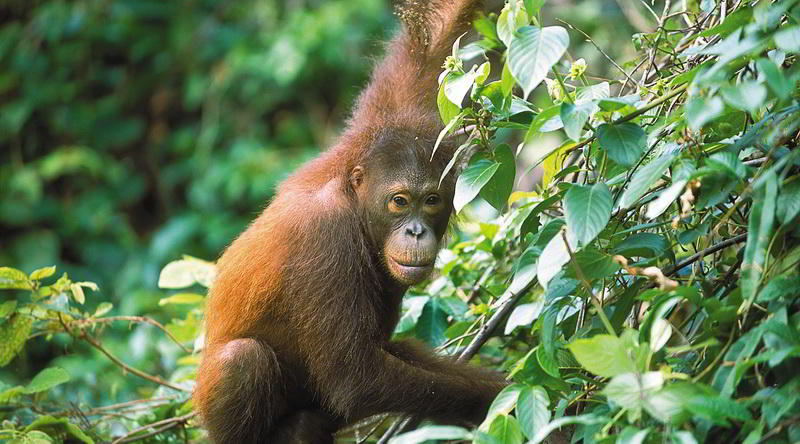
{"x": 644, "y": 290}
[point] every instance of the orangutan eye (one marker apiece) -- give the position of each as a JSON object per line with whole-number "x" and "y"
{"x": 433, "y": 199}
{"x": 400, "y": 201}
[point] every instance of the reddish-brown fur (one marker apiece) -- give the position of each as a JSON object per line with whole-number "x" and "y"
{"x": 302, "y": 310}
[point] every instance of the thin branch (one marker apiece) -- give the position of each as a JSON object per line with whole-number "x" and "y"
{"x": 589, "y": 38}
{"x": 161, "y": 427}
{"x": 139, "y": 319}
{"x": 128, "y": 368}
{"x": 703, "y": 253}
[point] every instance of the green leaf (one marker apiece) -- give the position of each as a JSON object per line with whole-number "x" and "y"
{"x": 454, "y": 122}
{"x": 477, "y": 174}
{"x": 506, "y": 429}
{"x": 498, "y": 188}
{"x": 759, "y": 228}
{"x": 603, "y": 355}
{"x": 732, "y": 22}
{"x": 13, "y": 335}
{"x": 644, "y": 178}
{"x": 776, "y": 81}
{"x": 43, "y": 273}
{"x": 103, "y": 308}
{"x": 431, "y": 432}
{"x": 631, "y": 390}
{"x": 525, "y": 271}
{"x": 789, "y": 202}
{"x": 554, "y": 256}
{"x": 11, "y": 278}
{"x": 7, "y": 308}
{"x": 718, "y": 409}
{"x": 34, "y": 437}
{"x": 504, "y": 402}
{"x": 632, "y": 435}
{"x": 667, "y": 405}
{"x": 432, "y": 323}
{"x": 586, "y": 419}
{"x": 532, "y": 7}
{"x": 456, "y": 86}
{"x": 543, "y": 117}
{"x": 701, "y": 110}
{"x": 447, "y": 109}
{"x": 593, "y": 263}
{"x": 450, "y": 164}
{"x": 412, "y": 310}
{"x": 588, "y": 209}
{"x": 746, "y": 96}
{"x": 186, "y": 272}
{"x": 182, "y": 298}
{"x": 728, "y": 163}
{"x": 786, "y": 286}
{"x": 533, "y": 410}
{"x": 533, "y": 51}
{"x": 47, "y": 379}
{"x": 624, "y": 142}
{"x": 574, "y": 117}
{"x": 642, "y": 245}
{"x": 523, "y": 315}
{"x": 591, "y": 93}
{"x": 60, "y": 427}
{"x": 788, "y": 39}
{"x": 77, "y": 293}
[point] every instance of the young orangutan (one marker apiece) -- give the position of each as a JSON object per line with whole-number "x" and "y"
{"x": 306, "y": 299}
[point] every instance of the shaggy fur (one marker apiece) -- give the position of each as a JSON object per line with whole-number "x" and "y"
{"x": 302, "y": 309}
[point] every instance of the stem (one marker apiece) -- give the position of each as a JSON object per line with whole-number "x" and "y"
{"x": 587, "y": 285}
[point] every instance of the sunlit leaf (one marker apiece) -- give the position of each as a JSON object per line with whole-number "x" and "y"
{"x": 533, "y": 51}
{"x": 625, "y": 142}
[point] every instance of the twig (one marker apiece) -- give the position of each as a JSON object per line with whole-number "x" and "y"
{"x": 589, "y": 38}
{"x": 140, "y": 319}
{"x": 166, "y": 423}
{"x": 128, "y": 368}
{"x": 703, "y": 253}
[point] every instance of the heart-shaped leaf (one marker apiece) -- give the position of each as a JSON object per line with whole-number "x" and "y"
{"x": 533, "y": 51}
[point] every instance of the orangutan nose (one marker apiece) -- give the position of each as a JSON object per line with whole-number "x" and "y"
{"x": 415, "y": 230}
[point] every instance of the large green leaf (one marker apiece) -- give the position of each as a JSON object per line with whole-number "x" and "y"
{"x": 506, "y": 429}
{"x": 533, "y": 410}
{"x": 554, "y": 256}
{"x": 456, "y": 86}
{"x": 499, "y": 187}
{"x": 644, "y": 178}
{"x": 432, "y": 322}
{"x": 718, "y": 409}
{"x": 447, "y": 109}
{"x": 574, "y": 117}
{"x": 631, "y": 390}
{"x": 789, "y": 202}
{"x": 533, "y": 51}
{"x": 431, "y": 432}
{"x": 788, "y": 39}
{"x": 625, "y": 142}
{"x": 759, "y": 228}
{"x": 603, "y": 355}
{"x": 588, "y": 209}
{"x": 477, "y": 174}
{"x": 47, "y": 379}
{"x": 11, "y": 278}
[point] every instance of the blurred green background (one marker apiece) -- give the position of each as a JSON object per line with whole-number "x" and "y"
{"x": 134, "y": 131}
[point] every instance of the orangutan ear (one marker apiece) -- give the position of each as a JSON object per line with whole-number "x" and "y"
{"x": 356, "y": 177}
